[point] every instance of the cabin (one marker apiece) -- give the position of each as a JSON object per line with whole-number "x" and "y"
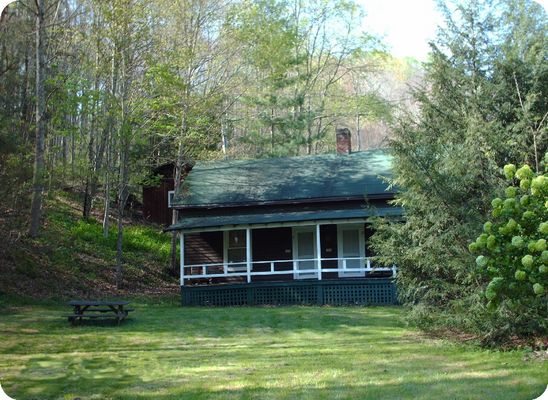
{"x": 285, "y": 230}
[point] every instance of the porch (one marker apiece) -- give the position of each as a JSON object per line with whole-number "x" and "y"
{"x": 303, "y": 263}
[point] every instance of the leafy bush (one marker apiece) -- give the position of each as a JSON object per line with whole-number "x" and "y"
{"x": 512, "y": 251}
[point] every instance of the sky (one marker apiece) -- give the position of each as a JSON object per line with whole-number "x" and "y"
{"x": 406, "y": 26}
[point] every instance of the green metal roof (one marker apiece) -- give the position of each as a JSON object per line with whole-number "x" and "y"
{"x": 281, "y": 216}
{"x": 282, "y": 179}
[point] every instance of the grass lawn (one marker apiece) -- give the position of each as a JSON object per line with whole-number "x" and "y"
{"x": 169, "y": 352}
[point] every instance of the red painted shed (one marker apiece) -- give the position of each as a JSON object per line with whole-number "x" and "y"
{"x": 156, "y": 198}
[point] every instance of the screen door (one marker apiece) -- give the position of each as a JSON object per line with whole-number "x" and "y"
{"x": 351, "y": 248}
{"x": 304, "y": 250}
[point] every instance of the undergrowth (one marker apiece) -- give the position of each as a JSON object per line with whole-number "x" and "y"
{"x": 71, "y": 257}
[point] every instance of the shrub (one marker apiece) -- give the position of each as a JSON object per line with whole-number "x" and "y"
{"x": 512, "y": 250}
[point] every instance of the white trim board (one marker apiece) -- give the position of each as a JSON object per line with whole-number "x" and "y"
{"x": 276, "y": 225}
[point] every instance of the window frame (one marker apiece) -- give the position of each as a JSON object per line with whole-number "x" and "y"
{"x": 229, "y": 267}
{"x": 170, "y": 196}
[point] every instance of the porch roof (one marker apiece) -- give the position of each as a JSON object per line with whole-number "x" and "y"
{"x": 207, "y": 222}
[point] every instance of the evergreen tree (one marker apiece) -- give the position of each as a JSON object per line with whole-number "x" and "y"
{"x": 447, "y": 156}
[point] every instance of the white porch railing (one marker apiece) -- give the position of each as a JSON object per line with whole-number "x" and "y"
{"x": 269, "y": 268}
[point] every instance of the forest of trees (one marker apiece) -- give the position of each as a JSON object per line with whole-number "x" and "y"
{"x": 94, "y": 94}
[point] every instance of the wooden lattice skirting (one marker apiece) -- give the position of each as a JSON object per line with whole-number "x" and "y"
{"x": 332, "y": 292}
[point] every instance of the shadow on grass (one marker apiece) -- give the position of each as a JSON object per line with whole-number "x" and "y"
{"x": 98, "y": 322}
{"x": 70, "y": 378}
{"x": 235, "y": 321}
{"x": 467, "y": 388}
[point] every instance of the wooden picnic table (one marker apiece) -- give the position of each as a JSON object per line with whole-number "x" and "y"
{"x": 94, "y": 309}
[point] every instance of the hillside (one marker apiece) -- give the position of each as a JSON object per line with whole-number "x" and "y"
{"x": 71, "y": 258}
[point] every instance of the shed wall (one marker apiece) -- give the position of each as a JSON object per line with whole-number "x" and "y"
{"x": 155, "y": 202}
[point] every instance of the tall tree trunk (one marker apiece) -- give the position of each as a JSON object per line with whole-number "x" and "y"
{"x": 175, "y": 214}
{"x": 87, "y": 194}
{"x": 272, "y": 131}
{"x": 122, "y": 199}
{"x": 73, "y": 150}
{"x": 39, "y": 164}
{"x": 224, "y": 137}
{"x": 359, "y": 138}
{"x": 176, "y": 187}
{"x": 119, "y": 241}
{"x": 125, "y": 142}
{"x": 64, "y": 156}
{"x": 25, "y": 106}
{"x": 108, "y": 136}
{"x": 309, "y": 127}
{"x": 174, "y": 266}
{"x": 106, "y": 215}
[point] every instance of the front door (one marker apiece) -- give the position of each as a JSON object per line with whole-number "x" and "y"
{"x": 304, "y": 251}
{"x": 351, "y": 248}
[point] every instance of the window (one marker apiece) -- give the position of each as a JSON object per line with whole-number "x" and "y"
{"x": 235, "y": 250}
{"x": 170, "y": 195}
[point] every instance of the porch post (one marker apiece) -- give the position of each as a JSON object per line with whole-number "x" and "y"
{"x": 248, "y": 253}
{"x": 318, "y": 252}
{"x": 182, "y": 249}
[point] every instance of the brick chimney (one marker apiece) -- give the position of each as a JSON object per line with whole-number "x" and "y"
{"x": 344, "y": 141}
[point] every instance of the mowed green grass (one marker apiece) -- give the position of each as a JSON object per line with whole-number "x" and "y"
{"x": 169, "y": 352}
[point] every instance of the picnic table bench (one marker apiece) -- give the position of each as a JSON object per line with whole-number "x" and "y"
{"x": 98, "y": 309}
